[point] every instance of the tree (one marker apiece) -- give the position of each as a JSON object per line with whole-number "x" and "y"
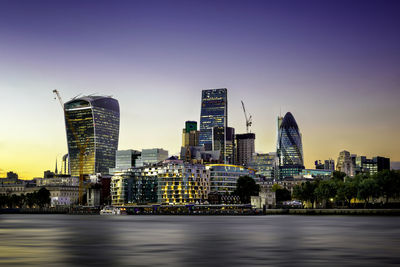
{"x": 339, "y": 176}
{"x": 346, "y": 191}
{"x": 245, "y": 188}
{"x": 306, "y": 191}
{"x": 366, "y": 189}
{"x": 282, "y": 195}
{"x": 325, "y": 190}
{"x": 43, "y": 197}
{"x": 276, "y": 187}
{"x": 388, "y": 182}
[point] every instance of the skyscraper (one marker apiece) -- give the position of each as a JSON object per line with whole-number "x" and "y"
{"x": 224, "y": 141}
{"x": 190, "y": 135}
{"x": 345, "y": 163}
{"x": 214, "y": 113}
{"x": 245, "y": 148}
{"x": 289, "y": 147}
{"x": 92, "y": 126}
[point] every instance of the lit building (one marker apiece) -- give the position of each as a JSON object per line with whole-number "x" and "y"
{"x": 190, "y": 135}
{"x": 264, "y": 164}
{"x": 170, "y": 182}
{"x": 329, "y": 164}
{"x": 223, "y": 177}
{"x": 289, "y": 147}
{"x": 371, "y": 166}
{"x": 316, "y": 173}
{"x": 214, "y": 113}
{"x": 345, "y": 163}
{"x": 92, "y": 126}
{"x": 224, "y": 141}
{"x": 245, "y": 148}
{"x": 151, "y": 156}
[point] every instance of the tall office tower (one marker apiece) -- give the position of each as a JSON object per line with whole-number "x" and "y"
{"x": 290, "y": 148}
{"x": 190, "y": 135}
{"x": 345, "y": 163}
{"x": 329, "y": 164}
{"x": 92, "y": 126}
{"x": 224, "y": 141}
{"x": 214, "y": 113}
{"x": 245, "y": 148}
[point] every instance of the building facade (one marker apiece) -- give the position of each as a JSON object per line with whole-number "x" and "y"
{"x": 245, "y": 148}
{"x": 214, "y": 113}
{"x": 190, "y": 134}
{"x": 224, "y": 141}
{"x": 264, "y": 164}
{"x": 223, "y": 177}
{"x": 92, "y": 127}
{"x": 345, "y": 163}
{"x": 289, "y": 147}
{"x": 151, "y": 156}
{"x": 125, "y": 159}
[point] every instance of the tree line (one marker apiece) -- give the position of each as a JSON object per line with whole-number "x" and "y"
{"x": 40, "y": 198}
{"x": 380, "y": 187}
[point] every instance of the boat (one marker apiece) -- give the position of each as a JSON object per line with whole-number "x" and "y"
{"x": 110, "y": 210}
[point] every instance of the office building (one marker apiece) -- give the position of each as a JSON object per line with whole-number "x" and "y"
{"x": 289, "y": 147}
{"x": 224, "y": 141}
{"x": 151, "y": 156}
{"x": 125, "y": 159}
{"x": 92, "y": 126}
{"x": 245, "y": 148}
{"x": 190, "y": 134}
{"x": 345, "y": 163}
{"x": 264, "y": 164}
{"x": 223, "y": 177}
{"x": 214, "y": 113}
{"x": 371, "y": 166}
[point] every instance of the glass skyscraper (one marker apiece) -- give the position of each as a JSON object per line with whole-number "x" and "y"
{"x": 290, "y": 148}
{"x": 214, "y": 113}
{"x": 92, "y": 126}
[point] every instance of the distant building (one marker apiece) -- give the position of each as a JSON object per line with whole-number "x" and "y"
{"x": 92, "y": 126}
{"x": 65, "y": 165}
{"x": 224, "y": 141}
{"x": 223, "y": 177}
{"x": 289, "y": 147}
{"x": 264, "y": 164}
{"x": 316, "y": 173}
{"x": 371, "y": 166}
{"x": 329, "y": 164}
{"x": 125, "y": 159}
{"x": 319, "y": 165}
{"x": 214, "y": 113}
{"x": 190, "y": 134}
{"x": 345, "y": 163}
{"x": 151, "y": 156}
{"x": 245, "y": 148}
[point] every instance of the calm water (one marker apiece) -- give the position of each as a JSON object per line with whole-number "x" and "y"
{"x": 64, "y": 240}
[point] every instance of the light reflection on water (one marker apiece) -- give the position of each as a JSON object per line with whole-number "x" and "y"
{"x": 64, "y": 240}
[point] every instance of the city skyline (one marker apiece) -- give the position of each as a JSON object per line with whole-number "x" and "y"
{"x": 338, "y": 77}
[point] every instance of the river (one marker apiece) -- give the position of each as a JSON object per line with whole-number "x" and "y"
{"x": 281, "y": 240}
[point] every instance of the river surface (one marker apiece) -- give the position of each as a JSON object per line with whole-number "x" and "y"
{"x": 75, "y": 240}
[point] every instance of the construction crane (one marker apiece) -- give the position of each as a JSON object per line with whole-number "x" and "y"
{"x": 248, "y": 119}
{"x": 81, "y": 148}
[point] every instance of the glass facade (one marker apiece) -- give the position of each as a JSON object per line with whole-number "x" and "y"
{"x": 92, "y": 126}
{"x": 223, "y": 177}
{"x": 214, "y": 111}
{"x": 264, "y": 164}
{"x": 290, "y": 148}
{"x": 224, "y": 141}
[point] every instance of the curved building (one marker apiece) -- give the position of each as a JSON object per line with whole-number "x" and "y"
{"x": 290, "y": 148}
{"x": 92, "y": 126}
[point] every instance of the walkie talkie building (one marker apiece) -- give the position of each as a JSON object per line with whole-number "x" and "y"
{"x": 214, "y": 113}
{"x": 92, "y": 126}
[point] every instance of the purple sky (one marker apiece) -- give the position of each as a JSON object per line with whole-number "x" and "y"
{"x": 334, "y": 64}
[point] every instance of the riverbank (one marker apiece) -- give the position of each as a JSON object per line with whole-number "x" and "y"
{"x": 92, "y": 211}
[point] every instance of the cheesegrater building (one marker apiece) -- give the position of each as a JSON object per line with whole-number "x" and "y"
{"x": 92, "y": 127}
{"x": 214, "y": 113}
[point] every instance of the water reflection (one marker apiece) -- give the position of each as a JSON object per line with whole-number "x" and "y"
{"x": 65, "y": 240}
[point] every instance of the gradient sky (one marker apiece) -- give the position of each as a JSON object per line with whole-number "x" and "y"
{"x": 334, "y": 64}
